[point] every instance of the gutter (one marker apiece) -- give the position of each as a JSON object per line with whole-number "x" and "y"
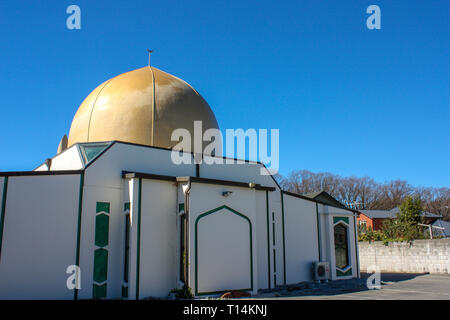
{"x": 186, "y": 228}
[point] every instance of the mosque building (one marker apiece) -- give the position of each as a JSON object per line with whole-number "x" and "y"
{"x": 111, "y": 216}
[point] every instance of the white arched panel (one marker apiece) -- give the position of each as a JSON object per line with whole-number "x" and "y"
{"x": 223, "y": 251}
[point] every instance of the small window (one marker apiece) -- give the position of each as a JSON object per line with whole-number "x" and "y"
{"x": 341, "y": 245}
{"x": 92, "y": 150}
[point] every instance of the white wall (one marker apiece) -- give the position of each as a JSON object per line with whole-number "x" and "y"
{"x": 69, "y": 159}
{"x": 264, "y": 239}
{"x": 223, "y": 258}
{"x": 222, "y": 266}
{"x": 93, "y": 193}
{"x": 277, "y": 255}
{"x": 158, "y": 238}
{"x": 245, "y": 172}
{"x": 127, "y": 157}
{"x": 124, "y": 157}
{"x": 39, "y": 237}
{"x": 419, "y": 256}
{"x": 302, "y": 247}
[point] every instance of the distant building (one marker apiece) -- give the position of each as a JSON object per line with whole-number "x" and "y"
{"x": 442, "y": 224}
{"x": 373, "y": 219}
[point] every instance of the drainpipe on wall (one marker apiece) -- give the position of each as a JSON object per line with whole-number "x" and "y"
{"x": 186, "y": 228}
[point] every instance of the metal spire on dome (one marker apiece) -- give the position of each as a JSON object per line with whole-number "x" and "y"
{"x": 149, "y": 55}
{"x": 152, "y": 138}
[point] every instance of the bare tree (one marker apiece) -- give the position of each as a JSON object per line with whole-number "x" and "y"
{"x": 365, "y": 193}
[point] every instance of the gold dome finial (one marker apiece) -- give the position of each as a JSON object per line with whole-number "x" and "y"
{"x": 62, "y": 144}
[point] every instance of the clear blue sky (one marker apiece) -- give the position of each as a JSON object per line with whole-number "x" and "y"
{"x": 346, "y": 99}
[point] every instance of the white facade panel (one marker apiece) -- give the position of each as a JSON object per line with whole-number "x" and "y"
{"x": 204, "y": 199}
{"x": 157, "y": 276}
{"x": 242, "y": 172}
{"x": 263, "y": 236}
{"x": 302, "y": 247}
{"x": 69, "y": 159}
{"x": 277, "y": 239}
{"x": 113, "y": 197}
{"x": 124, "y": 157}
{"x": 223, "y": 258}
{"x": 39, "y": 237}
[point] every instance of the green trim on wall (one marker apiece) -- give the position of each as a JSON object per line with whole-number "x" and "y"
{"x": 99, "y": 291}
{"x": 80, "y": 210}
{"x": 273, "y": 232}
{"x": 100, "y": 265}
{"x": 274, "y": 262}
{"x": 126, "y": 206}
{"x": 337, "y": 219}
{"x": 356, "y": 246}
{"x": 339, "y": 273}
{"x": 138, "y": 247}
{"x": 102, "y": 207}
{"x": 180, "y": 207}
{"x": 284, "y": 238}
{"x": 124, "y": 291}
{"x": 268, "y": 237}
{"x": 101, "y": 240}
{"x": 101, "y": 230}
{"x": 2, "y": 216}
{"x": 196, "y": 246}
{"x": 318, "y": 232}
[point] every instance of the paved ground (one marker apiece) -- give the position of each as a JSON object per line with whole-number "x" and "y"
{"x": 393, "y": 287}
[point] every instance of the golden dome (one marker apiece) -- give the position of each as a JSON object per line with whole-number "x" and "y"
{"x": 142, "y": 106}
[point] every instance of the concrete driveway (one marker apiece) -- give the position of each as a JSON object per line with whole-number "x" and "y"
{"x": 393, "y": 287}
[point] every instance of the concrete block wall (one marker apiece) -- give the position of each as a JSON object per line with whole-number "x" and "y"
{"x": 431, "y": 256}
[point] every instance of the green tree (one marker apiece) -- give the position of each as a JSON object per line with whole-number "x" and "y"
{"x": 411, "y": 211}
{"x": 405, "y": 227}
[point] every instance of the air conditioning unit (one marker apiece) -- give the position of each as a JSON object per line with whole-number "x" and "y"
{"x": 321, "y": 270}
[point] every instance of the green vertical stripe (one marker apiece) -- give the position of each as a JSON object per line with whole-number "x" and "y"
{"x": 274, "y": 268}
{"x": 318, "y": 231}
{"x": 80, "y": 209}
{"x": 274, "y": 260}
{"x": 99, "y": 291}
{"x": 100, "y": 265}
{"x": 2, "y": 221}
{"x": 138, "y": 250}
{"x": 273, "y": 233}
{"x": 102, "y": 207}
{"x": 268, "y": 237}
{"x": 356, "y": 247}
{"x": 284, "y": 240}
{"x": 101, "y": 254}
